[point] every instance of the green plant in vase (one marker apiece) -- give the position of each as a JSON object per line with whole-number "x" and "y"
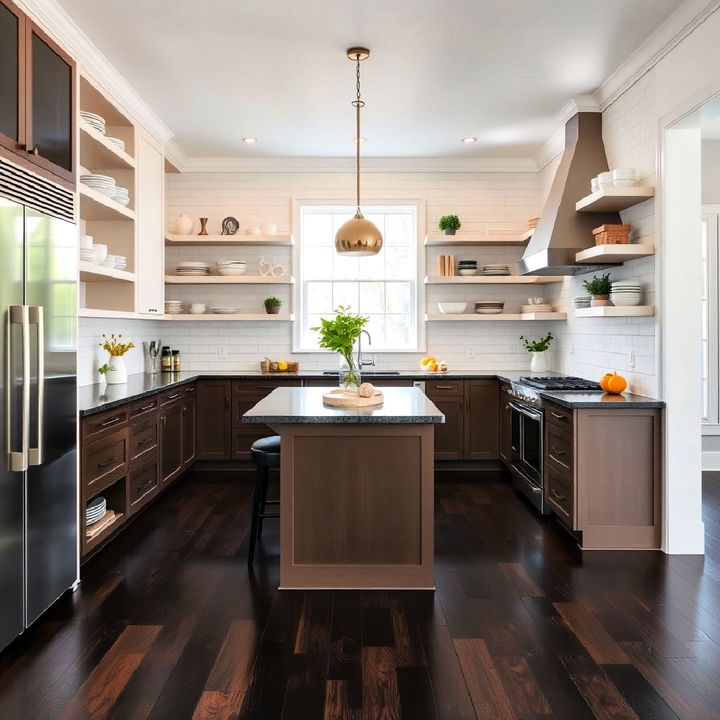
{"x": 449, "y": 224}
{"x": 339, "y": 335}
{"x": 599, "y": 288}
{"x": 272, "y": 305}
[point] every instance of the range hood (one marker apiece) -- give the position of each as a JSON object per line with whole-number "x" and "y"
{"x": 562, "y": 231}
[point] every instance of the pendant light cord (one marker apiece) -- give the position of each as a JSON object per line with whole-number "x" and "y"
{"x": 358, "y": 103}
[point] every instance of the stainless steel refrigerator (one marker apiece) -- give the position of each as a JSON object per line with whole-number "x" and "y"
{"x": 38, "y": 477}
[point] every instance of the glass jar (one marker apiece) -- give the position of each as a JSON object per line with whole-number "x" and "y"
{"x": 176, "y": 360}
{"x": 166, "y": 363}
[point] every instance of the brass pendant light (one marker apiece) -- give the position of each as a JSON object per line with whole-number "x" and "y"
{"x": 358, "y": 236}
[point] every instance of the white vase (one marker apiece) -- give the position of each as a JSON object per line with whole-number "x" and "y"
{"x": 118, "y": 372}
{"x": 538, "y": 362}
{"x": 183, "y": 225}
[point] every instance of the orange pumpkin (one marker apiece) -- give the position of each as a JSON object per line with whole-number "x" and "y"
{"x": 604, "y": 381}
{"x": 616, "y": 384}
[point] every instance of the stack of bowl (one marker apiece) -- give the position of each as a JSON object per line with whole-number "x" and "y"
{"x": 625, "y": 293}
{"x": 231, "y": 267}
{"x": 173, "y": 307}
{"x": 489, "y": 307}
{"x": 467, "y": 267}
{"x": 193, "y": 268}
{"x": 496, "y": 269}
{"x": 120, "y": 262}
{"x": 581, "y": 301}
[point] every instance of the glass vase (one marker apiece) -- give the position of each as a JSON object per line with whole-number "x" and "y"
{"x": 349, "y": 373}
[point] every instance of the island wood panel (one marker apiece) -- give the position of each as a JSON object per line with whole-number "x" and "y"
{"x": 357, "y": 506}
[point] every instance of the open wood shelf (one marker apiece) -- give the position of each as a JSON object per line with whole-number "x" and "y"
{"x": 492, "y": 280}
{"x": 237, "y": 240}
{"x": 614, "y": 199}
{"x": 601, "y": 254}
{"x": 235, "y": 317}
{"x": 98, "y": 153}
{"x": 527, "y": 234}
{"x": 228, "y": 280}
{"x": 612, "y": 311}
{"x": 500, "y": 317}
{"x": 468, "y": 239}
{"x": 90, "y": 272}
{"x": 96, "y": 206}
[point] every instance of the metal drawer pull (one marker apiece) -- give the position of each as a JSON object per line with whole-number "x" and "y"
{"x": 108, "y": 462}
{"x": 559, "y": 416}
{"x": 111, "y": 421}
{"x": 443, "y": 387}
{"x": 145, "y": 408}
{"x": 146, "y": 441}
{"x": 557, "y": 495}
{"x": 558, "y": 451}
{"x": 172, "y": 397}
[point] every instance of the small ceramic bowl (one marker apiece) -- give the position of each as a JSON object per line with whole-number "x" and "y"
{"x": 467, "y": 271}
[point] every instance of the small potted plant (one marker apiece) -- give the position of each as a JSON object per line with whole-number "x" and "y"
{"x": 599, "y": 288}
{"x": 538, "y": 348}
{"x": 449, "y": 224}
{"x": 104, "y": 369}
{"x": 272, "y": 305}
{"x": 339, "y": 335}
{"x": 116, "y": 349}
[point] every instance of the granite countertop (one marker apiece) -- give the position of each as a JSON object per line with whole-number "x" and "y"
{"x": 599, "y": 399}
{"x": 293, "y": 405}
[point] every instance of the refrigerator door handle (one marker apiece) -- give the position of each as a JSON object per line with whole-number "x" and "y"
{"x": 17, "y": 460}
{"x": 36, "y": 313}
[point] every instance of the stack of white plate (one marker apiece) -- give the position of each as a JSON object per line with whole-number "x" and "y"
{"x": 120, "y": 262}
{"x": 117, "y": 141}
{"x": 581, "y": 301}
{"x": 496, "y": 270}
{"x": 223, "y": 310}
{"x": 231, "y": 267}
{"x": 489, "y": 307}
{"x": 87, "y": 254}
{"x": 94, "y": 120}
{"x": 173, "y": 307}
{"x": 102, "y": 183}
{"x": 95, "y": 510}
{"x": 122, "y": 195}
{"x": 193, "y": 268}
{"x": 626, "y": 293}
{"x": 109, "y": 261}
{"x": 542, "y": 308}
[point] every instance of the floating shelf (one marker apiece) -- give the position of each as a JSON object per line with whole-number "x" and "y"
{"x": 614, "y": 199}
{"x": 115, "y": 314}
{"x": 492, "y": 280}
{"x": 612, "y": 311}
{"x": 236, "y": 317}
{"x": 277, "y": 240}
{"x": 527, "y": 234}
{"x": 90, "y": 272}
{"x": 500, "y": 317}
{"x": 96, "y": 206}
{"x": 97, "y": 152}
{"x": 601, "y": 254}
{"x": 468, "y": 239}
{"x": 228, "y": 280}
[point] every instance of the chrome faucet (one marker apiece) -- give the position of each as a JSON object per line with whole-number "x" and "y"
{"x": 364, "y": 363}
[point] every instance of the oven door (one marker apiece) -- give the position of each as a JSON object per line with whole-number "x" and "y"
{"x": 527, "y": 443}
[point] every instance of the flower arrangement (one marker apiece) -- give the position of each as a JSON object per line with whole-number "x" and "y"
{"x": 539, "y": 345}
{"x": 114, "y": 346}
{"x": 339, "y": 335}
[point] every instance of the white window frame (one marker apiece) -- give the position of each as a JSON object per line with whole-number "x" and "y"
{"x": 367, "y": 203}
{"x": 711, "y": 215}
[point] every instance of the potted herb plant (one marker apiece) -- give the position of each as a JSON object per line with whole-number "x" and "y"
{"x": 449, "y": 224}
{"x": 272, "y": 305}
{"x": 116, "y": 349}
{"x": 339, "y": 335}
{"x": 538, "y": 348}
{"x": 599, "y": 288}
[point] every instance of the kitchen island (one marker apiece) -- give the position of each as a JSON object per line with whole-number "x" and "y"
{"x": 356, "y": 489}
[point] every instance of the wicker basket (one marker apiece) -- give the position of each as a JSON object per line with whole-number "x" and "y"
{"x": 612, "y": 234}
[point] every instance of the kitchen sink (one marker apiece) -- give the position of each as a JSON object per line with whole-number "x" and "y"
{"x": 367, "y": 373}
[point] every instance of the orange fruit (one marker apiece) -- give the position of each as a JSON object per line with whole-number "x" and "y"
{"x": 432, "y": 366}
{"x": 604, "y": 381}
{"x": 427, "y": 361}
{"x": 616, "y": 384}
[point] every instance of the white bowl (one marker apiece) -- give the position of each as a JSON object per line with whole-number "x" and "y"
{"x": 269, "y": 228}
{"x": 594, "y": 185}
{"x": 101, "y": 252}
{"x": 231, "y": 272}
{"x": 624, "y": 182}
{"x": 605, "y": 178}
{"x": 467, "y": 272}
{"x": 625, "y": 300}
{"x": 452, "y": 308}
{"x": 86, "y": 242}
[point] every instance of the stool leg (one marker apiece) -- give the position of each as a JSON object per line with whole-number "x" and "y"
{"x": 263, "y": 500}
{"x": 260, "y": 484}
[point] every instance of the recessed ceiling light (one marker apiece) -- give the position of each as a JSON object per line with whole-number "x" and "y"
{"x": 362, "y": 139}
{"x": 469, "y": 140}
{"x": 249, "y": 140}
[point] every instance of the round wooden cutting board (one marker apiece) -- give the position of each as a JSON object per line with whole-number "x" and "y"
{"x": 344, "y": 398}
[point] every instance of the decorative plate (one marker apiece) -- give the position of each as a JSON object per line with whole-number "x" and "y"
{"x": 230, "y": 226}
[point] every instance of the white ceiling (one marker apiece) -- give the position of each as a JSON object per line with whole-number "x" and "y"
{"x": 500, "y": 70}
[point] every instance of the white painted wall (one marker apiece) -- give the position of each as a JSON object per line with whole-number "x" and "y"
{"x": 711, "y": 172}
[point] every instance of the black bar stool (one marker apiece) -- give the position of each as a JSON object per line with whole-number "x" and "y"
{"x": 265, "y": 454}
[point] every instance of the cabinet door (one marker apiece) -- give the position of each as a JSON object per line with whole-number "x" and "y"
{"x": 505, "y": 428}
{"x": 188, "y": 432}
{"x": 482, "y": 420}
{"x": 449, "y": 435}
{"x": 150, "y": 210}
{"x": 213, "y": 419}
{"x": 170, "y": 441}
{"x": 12, "y": 77}
{"x": 50, "y": 106}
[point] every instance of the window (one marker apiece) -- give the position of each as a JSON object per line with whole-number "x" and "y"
{"x": 710, "y": 300}
{"x": 383, "y": 287}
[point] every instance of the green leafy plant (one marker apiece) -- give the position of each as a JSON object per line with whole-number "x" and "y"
{"x": 272, "y": 302}
{"x": 598, "y": 285}
{"x": 449, "y": 222}
{"x": 540, "y": 345}
{"x": 104, "y": 369}
{"x": 339, "y": 335}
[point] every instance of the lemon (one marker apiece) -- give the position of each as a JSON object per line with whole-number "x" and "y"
{"x": 282, "y": 365}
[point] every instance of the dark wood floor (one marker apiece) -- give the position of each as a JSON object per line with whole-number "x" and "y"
{"x": 168, "y": 624}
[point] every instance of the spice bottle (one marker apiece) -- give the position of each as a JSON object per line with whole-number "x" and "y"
{"x": 166, "y": 364}
{"x": 176, "y": 360}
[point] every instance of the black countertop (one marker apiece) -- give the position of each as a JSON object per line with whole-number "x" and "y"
{"x": 96, "y": 398}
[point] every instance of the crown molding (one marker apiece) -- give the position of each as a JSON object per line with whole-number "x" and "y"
{"x": 347, "y": 164}
{"x": 681, "y": 23}
{"x": 62, "y": 28}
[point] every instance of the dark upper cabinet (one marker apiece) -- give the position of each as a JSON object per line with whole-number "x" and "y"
{"x": 213, "y": 420}
{"x": 482, "y": 427}
{"x": 37, "y": 98}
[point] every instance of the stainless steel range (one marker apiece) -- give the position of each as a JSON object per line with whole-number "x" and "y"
{"x": 526, "y": 405}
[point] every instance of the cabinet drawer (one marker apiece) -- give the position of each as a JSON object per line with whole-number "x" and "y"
{"x": 559, "y": 447}
{"x": 562, "y": 417}
{"x": 437, "y": 388}
{"x": 96, "y": 426}
{"x": 143, "y": 483}
{"x": 143, "y": 440}
{"x": 142, "y": 408}
{"x": 171, "y": 396}
{"x": 559, "y": 495}
{"x": 103, "y": 461}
